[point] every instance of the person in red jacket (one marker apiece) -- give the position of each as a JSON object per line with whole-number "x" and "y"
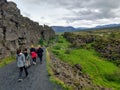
{"x": 33, "y": 55}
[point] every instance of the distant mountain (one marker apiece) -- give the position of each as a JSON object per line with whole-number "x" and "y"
{"x": 108, "y": 26}
{"x": 66, "y": 28}
{"x": 59, "y": 29}
{"x": 63, "y": 28}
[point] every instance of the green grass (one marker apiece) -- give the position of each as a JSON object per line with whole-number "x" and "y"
{"x": 98, "y": 68}
{"x": 6, "y": 61}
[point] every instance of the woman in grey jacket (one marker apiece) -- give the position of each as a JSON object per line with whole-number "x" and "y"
{"x": 21, "y": 64}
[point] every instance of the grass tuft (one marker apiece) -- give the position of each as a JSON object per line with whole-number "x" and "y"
{"x": 6, "y": 61}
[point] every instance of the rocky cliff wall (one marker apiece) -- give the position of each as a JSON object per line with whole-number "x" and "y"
{"x": 16, "y": 30}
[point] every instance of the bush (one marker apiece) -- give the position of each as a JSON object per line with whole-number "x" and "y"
{"x": 55, "y": 52}
{"x": 57, "y": 47}
{"x": 114, "y": 77}
{"x": 60, "y": 41}
{"x": 41, "y": 41}
{"x": 68, "y": 51}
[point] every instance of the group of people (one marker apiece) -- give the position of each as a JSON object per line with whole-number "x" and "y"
{"x": 24, "y": 59}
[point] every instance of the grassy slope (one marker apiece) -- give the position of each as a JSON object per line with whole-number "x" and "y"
{"x": 7, "y": 60}
{"x": 92, "y": 64}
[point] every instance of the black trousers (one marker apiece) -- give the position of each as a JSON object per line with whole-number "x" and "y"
{"x": 21, "y": 71}
{"x": 40, "y": 57}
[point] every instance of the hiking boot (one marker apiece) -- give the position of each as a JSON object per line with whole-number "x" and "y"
{"x": 20, "y": 79}
{"x": 34, "y": 63}
{"x": 27, "y": 75}
{"x": 40, "y": 62}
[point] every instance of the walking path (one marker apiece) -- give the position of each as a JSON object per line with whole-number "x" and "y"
{"x": 38, "y": 78}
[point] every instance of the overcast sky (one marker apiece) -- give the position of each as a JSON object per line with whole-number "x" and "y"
{"x": 77, "y": 13}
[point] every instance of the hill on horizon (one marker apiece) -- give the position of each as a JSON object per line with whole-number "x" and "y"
{"x": 60, "y": 29}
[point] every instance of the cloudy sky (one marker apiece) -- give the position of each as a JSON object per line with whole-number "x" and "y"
{"x": 77, "y": 13}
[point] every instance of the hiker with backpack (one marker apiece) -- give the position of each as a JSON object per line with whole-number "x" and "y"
{"x": 21, "y": 64}
{"x": 27, "y": 58}
{"x": 33, "y": 54}
{"x": 40, "y": 53}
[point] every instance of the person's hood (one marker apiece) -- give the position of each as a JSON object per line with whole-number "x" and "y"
{"x": 19, "y": 54}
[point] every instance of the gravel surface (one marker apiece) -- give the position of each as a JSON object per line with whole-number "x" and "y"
{"x": 38, "y": 78}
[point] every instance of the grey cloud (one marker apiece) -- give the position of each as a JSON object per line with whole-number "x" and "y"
{"x": 32, "y": 1}
{"x": 79, "y": 3}
{"x": 105, "y": 8}
{"x": 42, "y": 18}
{"x": 73, "y": 4}
{"x": 88, "y": 15}
{"x": 106, "y": 4}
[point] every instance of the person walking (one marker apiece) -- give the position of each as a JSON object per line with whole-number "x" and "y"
{"x": 27, "y": 58}
{"x": 32, "y": 49}
{"x": 33, "y": 54}
{"x": 40, "y": 53}
{"x": 21, "y": 64}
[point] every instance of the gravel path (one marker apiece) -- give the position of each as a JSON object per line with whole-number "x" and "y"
{"x": 38, "y": 78}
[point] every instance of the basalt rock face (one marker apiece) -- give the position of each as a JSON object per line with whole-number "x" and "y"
{"x": 78, "y": 40}
{"x": 16, "y": 30}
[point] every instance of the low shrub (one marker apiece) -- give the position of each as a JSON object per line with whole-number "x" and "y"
{"x": 68, "y": 51}
{"x": 114, "y": 77}
{"x": 57, "y": 47}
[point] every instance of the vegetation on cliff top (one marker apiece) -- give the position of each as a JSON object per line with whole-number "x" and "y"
{"x": 106, "y": 42}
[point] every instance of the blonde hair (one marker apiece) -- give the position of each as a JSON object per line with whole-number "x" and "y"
{"x": 32, "y": 45}
{"x": 39, "y": 45}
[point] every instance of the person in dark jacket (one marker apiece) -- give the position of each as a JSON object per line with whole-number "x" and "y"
{"x": 32, "y": 49}
{"x": 40, "y": 53}
{"x": 21, "y": 64}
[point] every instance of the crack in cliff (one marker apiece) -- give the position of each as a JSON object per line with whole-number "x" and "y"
{"x": 4, "y": 33}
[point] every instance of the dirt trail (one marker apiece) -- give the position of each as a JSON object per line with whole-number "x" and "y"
{"x": 38, "y": 78}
